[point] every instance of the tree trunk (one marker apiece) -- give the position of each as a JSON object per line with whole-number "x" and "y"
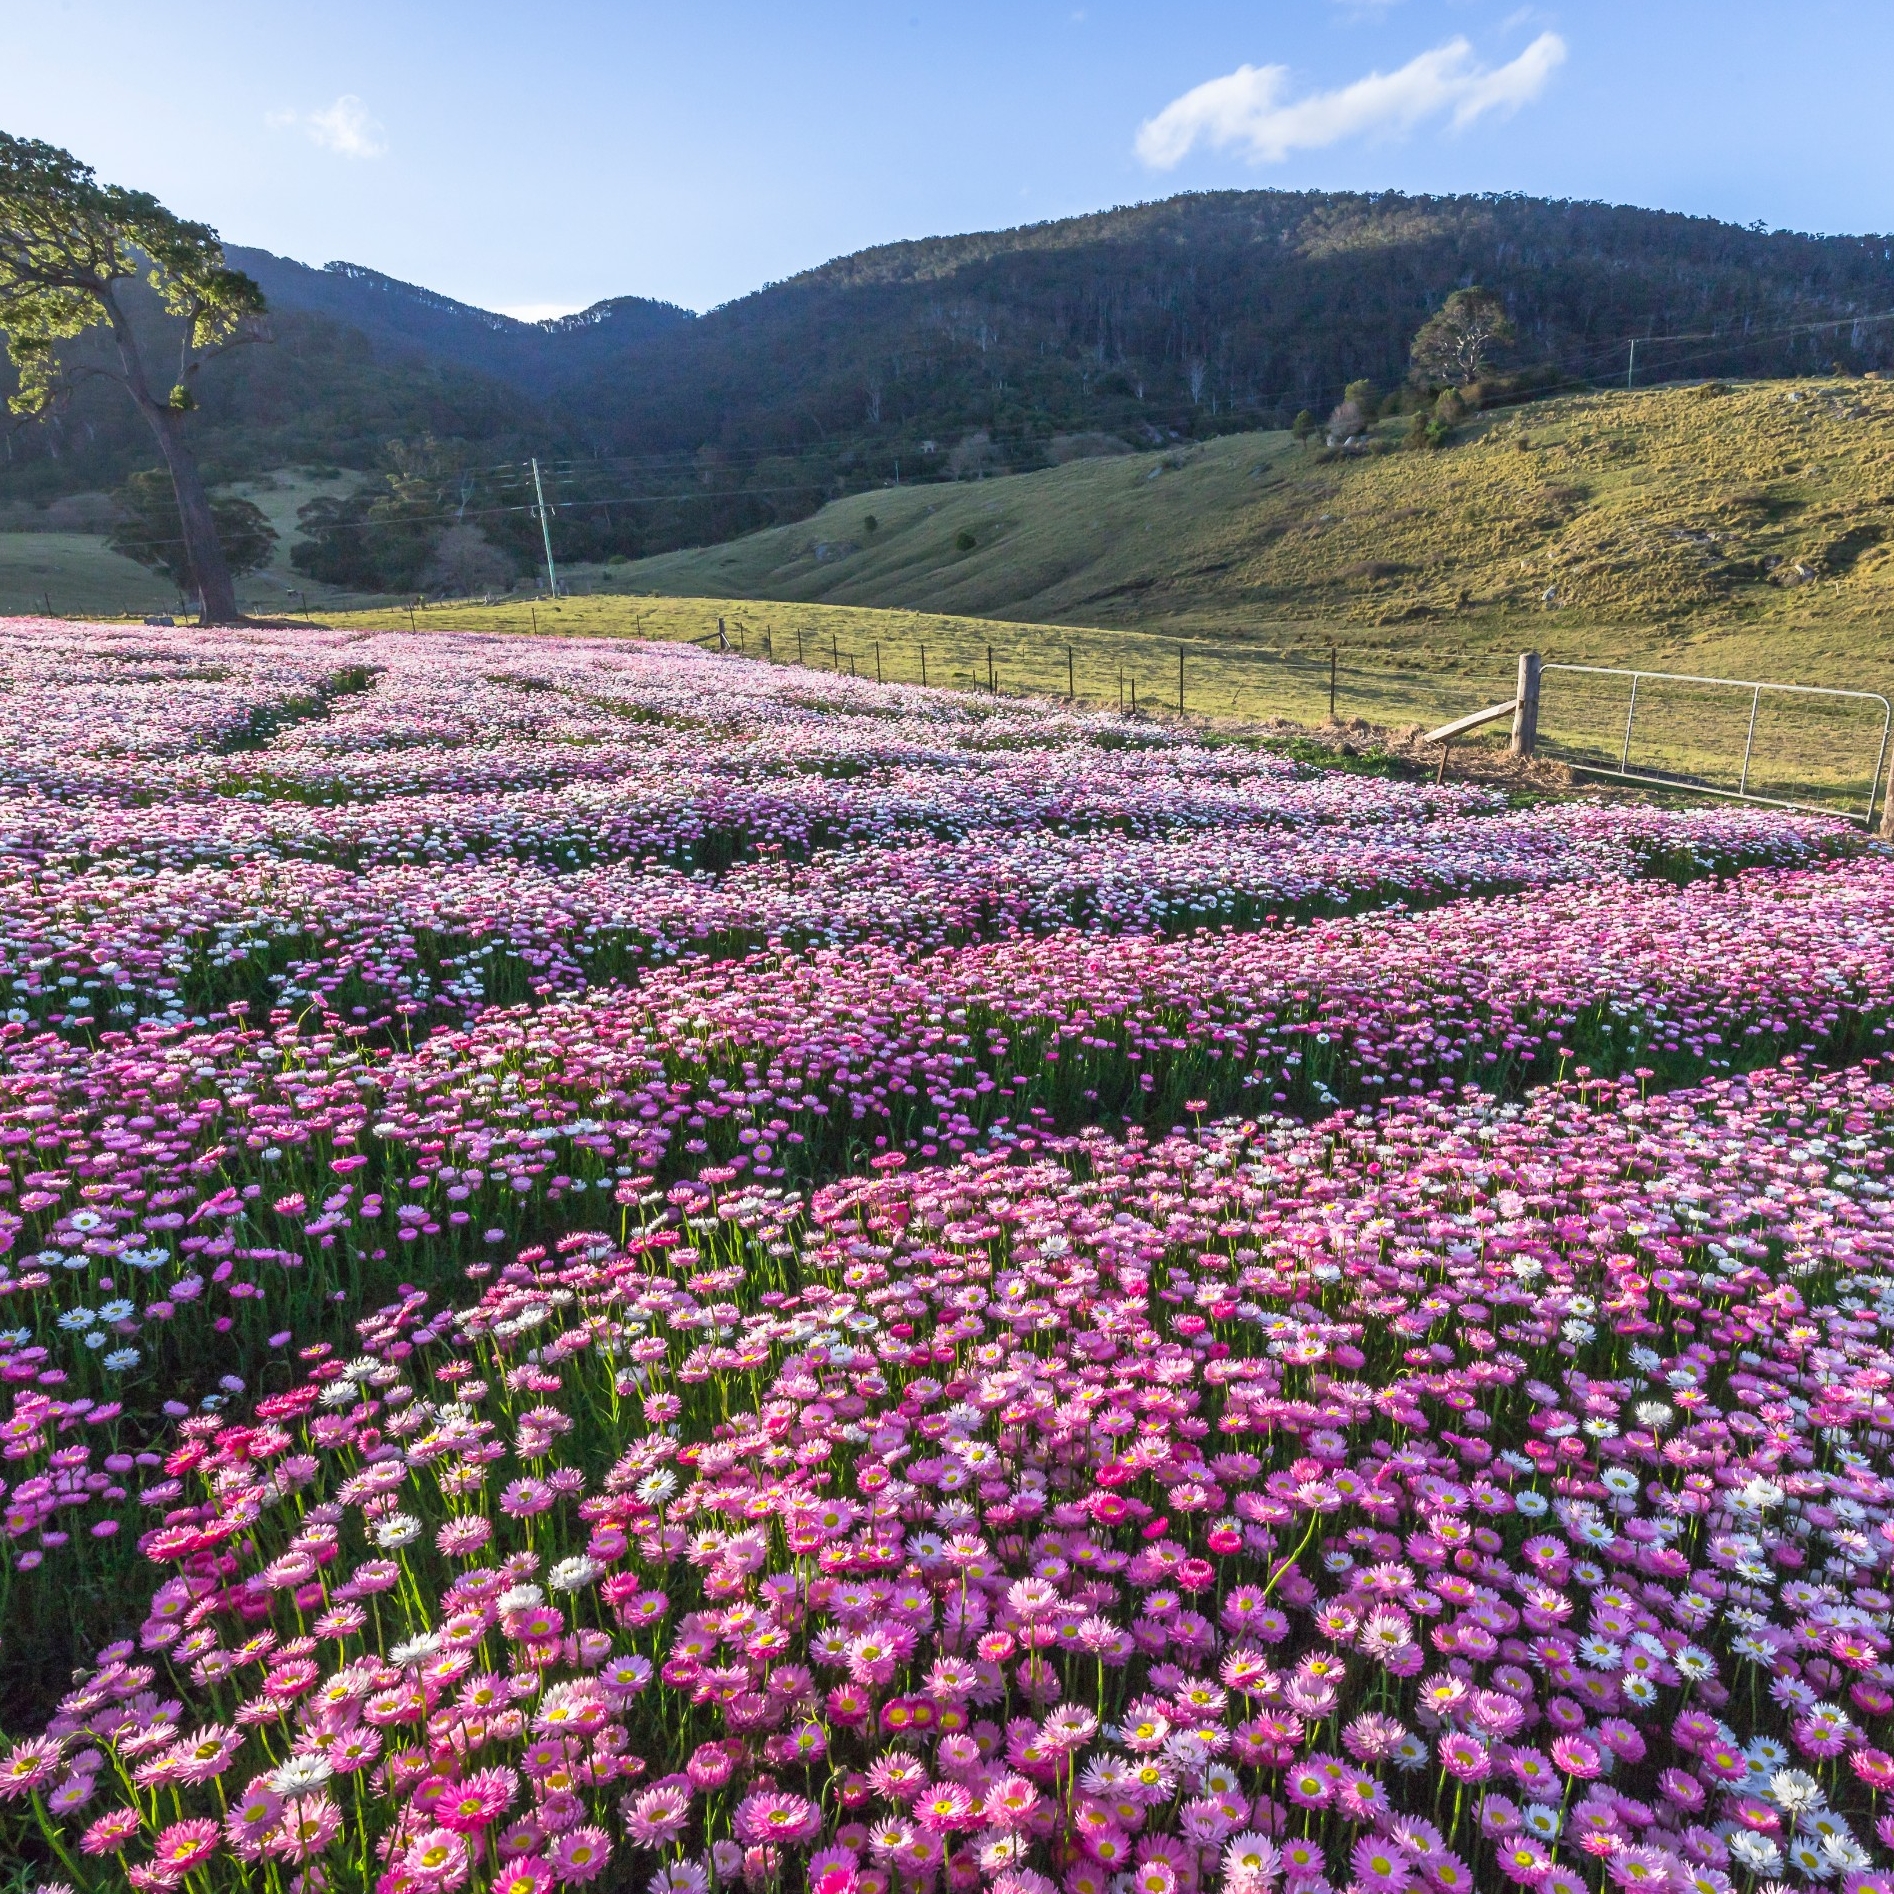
{"x": 217, "y": 595}
{"x": 216, "y": 591}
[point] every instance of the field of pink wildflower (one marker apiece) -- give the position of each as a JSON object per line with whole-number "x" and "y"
{"x": 627, "y": 1268}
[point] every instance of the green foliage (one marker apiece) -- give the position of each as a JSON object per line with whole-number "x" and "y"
{"x": 67, "y": 242}
{"x": 147, "y": 529}
{"x": 1461, "y": 338}
{"x": 69, "y": 247}
{"x": 377, "y": 540}
{"x": 1303, "y": 425}
{"x": 964, "y": 541}
{"x": 1363, "y": 394}
{"x": 435, "y": 525}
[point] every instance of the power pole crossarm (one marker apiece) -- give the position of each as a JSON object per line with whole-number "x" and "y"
{"x": 545, "y": 531}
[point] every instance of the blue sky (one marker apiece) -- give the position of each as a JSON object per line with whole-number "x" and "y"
{"x": 544, "y": 153}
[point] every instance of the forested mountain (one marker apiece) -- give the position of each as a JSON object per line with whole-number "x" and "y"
{"x": 957, "y": 356}
{"x": 1232, "y": 305}
{"x": 404, "y": 322}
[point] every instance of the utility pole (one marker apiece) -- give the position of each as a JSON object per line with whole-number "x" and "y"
{"x": 545, "y": 531}
{"x": 1180, "y": 680}
{"x": 1631, "y": 368}
{"x": 1071, "y": 687}
{"x": 1331, "y": 683}
{"x": 923, "y": 666}
{"x": 990, "y": 683}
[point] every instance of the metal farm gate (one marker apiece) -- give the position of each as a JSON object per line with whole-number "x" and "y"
{"x": 1789, "y": 746}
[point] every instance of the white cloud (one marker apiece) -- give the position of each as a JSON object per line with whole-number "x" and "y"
{"x": 347, "y": 127}
{"x": 1249, "y": 110}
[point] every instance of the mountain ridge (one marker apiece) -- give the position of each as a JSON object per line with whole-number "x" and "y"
{"x": 405, "y": 319}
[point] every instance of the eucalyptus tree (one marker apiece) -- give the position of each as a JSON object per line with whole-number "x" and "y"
{"x": 72, "y": 253}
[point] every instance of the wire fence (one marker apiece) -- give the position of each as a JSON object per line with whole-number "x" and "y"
{"x": 1212, "y": 676}
{"x": 1783, "y": 744}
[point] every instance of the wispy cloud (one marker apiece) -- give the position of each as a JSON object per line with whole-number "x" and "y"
{"x": 347, "y": 127}
{"x": 1249, "y": 109}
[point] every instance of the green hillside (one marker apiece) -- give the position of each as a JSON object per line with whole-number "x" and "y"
{"x": 75, "y": 575}
{"x": 1747, "y": 529}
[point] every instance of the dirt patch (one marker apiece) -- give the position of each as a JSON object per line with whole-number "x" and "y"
{"x": 1480, "y": 761}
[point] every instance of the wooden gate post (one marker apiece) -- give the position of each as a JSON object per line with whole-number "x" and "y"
{"x": 1526, "y": 705}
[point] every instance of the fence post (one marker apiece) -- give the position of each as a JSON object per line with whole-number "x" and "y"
{"x": 1887, "y": 808}
{"x": 1180, "y": 680}
{"x": 1526, "y": 705}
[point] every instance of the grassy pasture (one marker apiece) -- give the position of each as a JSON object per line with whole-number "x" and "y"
{"x": 80, "y": 576}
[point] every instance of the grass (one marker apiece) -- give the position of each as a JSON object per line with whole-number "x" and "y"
{"x": 78, "y": 575}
